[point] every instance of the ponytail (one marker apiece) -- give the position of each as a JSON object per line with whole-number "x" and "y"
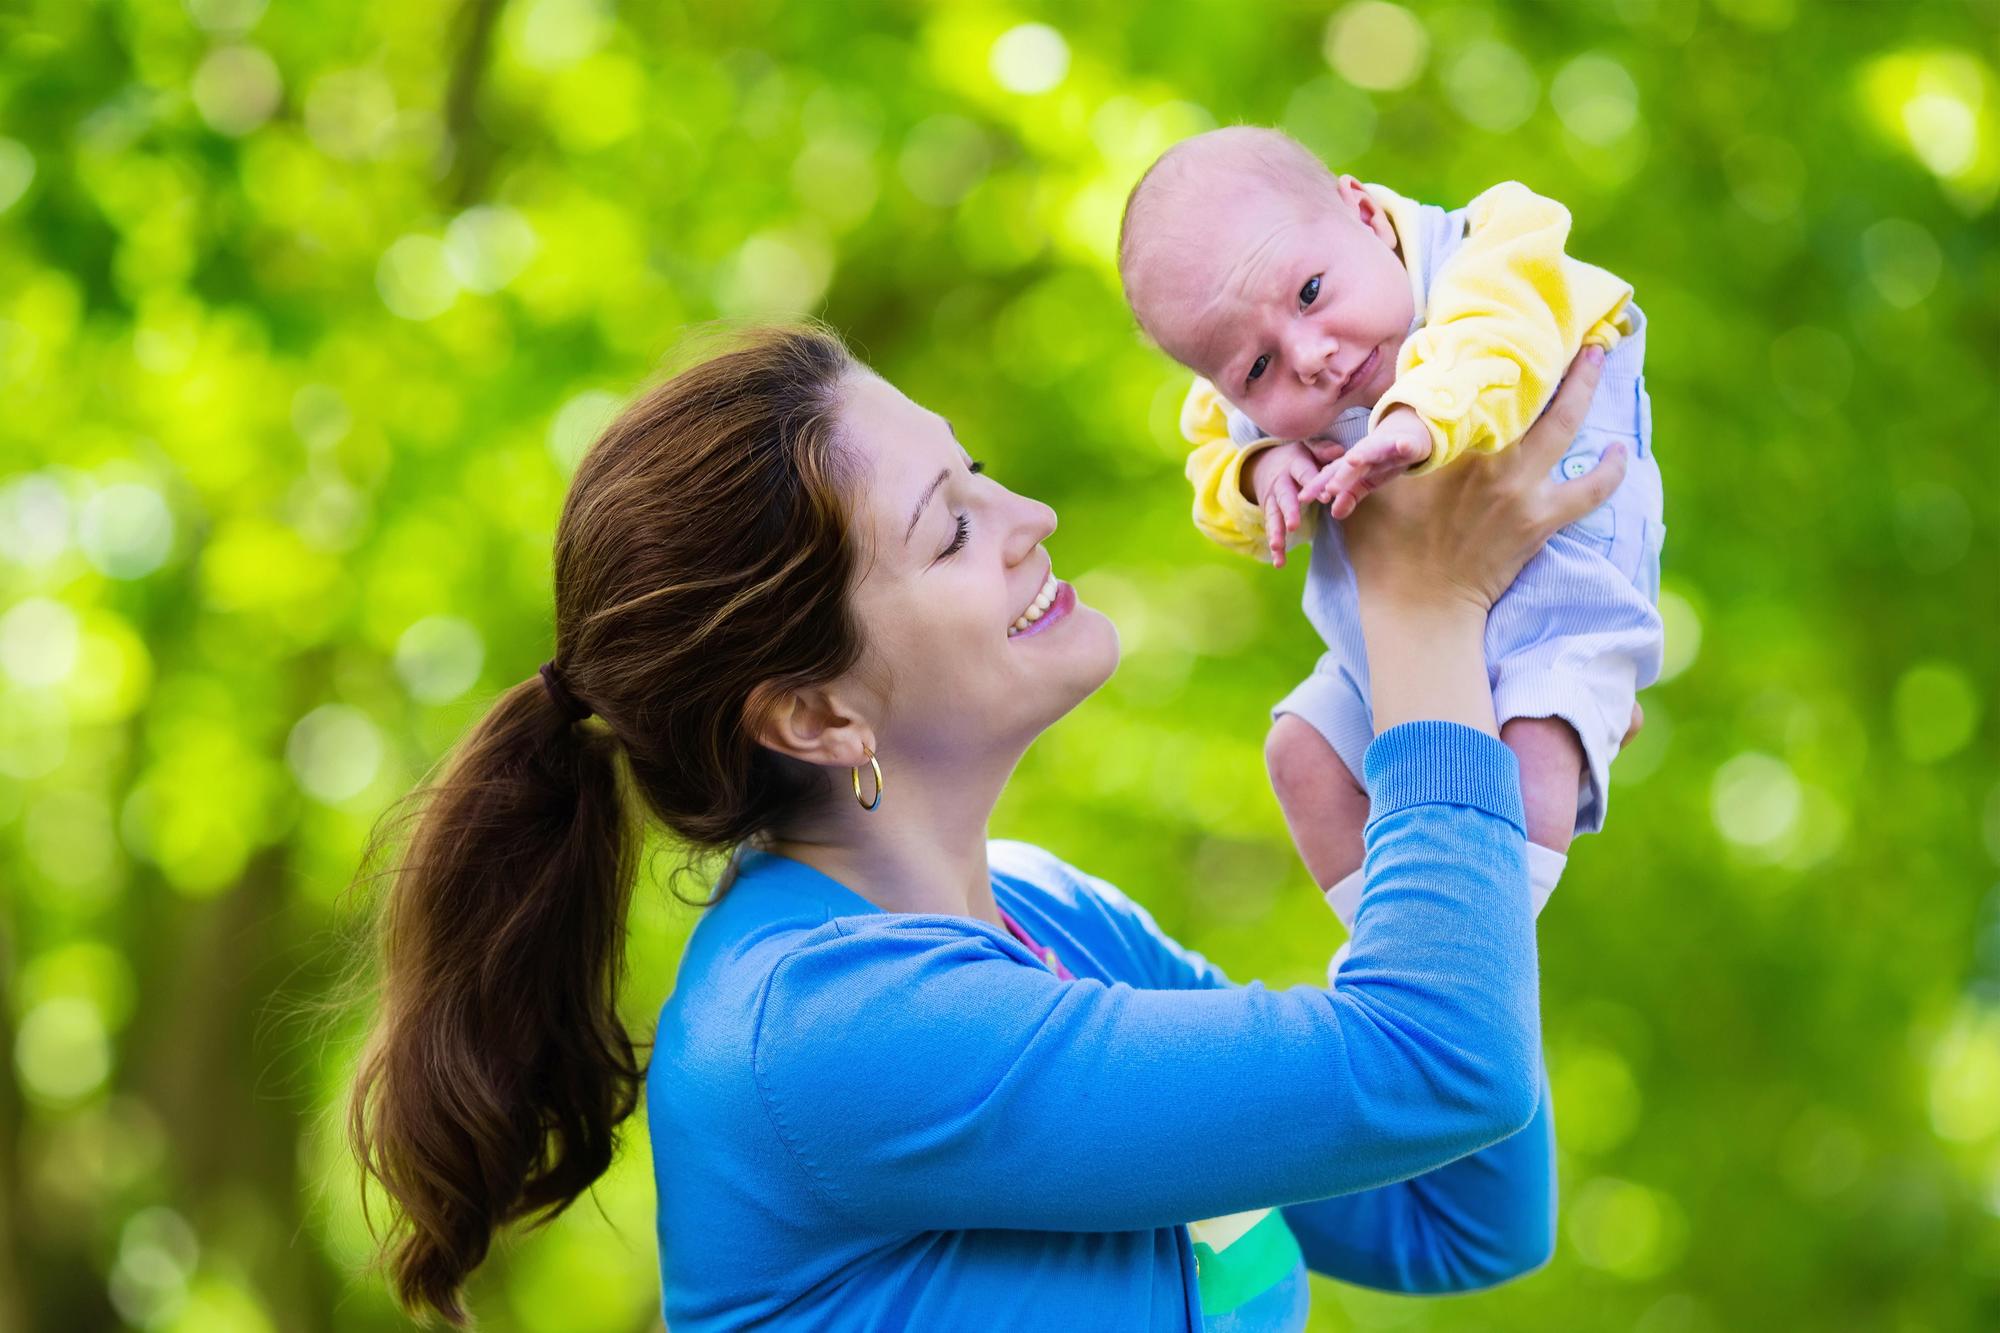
{"x": 498, "y": 1072}
{"x": 703, "y": 552}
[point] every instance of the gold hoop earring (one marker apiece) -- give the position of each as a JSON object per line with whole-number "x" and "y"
{"x": 856, "y": 772}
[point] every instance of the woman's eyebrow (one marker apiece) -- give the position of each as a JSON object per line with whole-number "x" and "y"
{"x": 918, "y": 512}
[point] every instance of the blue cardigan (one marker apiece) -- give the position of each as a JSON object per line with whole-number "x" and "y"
{"x": 863, "y": 1119}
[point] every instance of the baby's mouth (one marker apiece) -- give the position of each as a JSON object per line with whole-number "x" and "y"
{"x": 1358, "y": 375}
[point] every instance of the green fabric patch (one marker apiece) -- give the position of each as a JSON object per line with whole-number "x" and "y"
{"x": 1250, "y": 1265}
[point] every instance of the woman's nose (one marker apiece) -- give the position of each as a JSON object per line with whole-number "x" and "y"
{"x": 1029, "y": 526}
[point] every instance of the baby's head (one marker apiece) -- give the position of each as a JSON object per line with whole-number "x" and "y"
{"x": 1252, "y": 264}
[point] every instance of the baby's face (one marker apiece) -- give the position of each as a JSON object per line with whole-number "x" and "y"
{"x": 1295, "y": 314}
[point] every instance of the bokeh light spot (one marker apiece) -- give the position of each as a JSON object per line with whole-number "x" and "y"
{"x": 1682, "y": 626}
{"x": 415, "y": 278}
{"x": 577, "y": 424}
{"x": 126, "y": 530}
{"x": 1029, "y": 58}
{"x": 1936, "y": 709}
{"x": 1377, "y": 46}
{"x": 157, "y": 1251}
{"x": 1902, "y": 259}
{"x": 1595, "y": 98}
{"x": 1965, "y": 1076}
{"x": 439, "y": 658}
{"x": 236, "y": 88}
{"x": 34, "y": 521}
{"x": 1492, "y": 85}
{"x": 226, "y": 16}
{"x": 549, "y": 34}
{"x": 1755, "y": 800}
{"x": 320, "y": 416}
{"x": 350, "y": 113}
{"x": 38, "y": 641}
{"x": 62, "y": 1050}
{"x": 487, "y": 246}
{"x": 775, "y": 274}
{"x": 1599, "y": 1097}
{"x": 1624, "y": 1228}
{"x": 334, "y": 752}
{"x": 17, "y": 171}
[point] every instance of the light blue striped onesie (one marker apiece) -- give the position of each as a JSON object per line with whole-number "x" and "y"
{"x": 1577, "y": 636}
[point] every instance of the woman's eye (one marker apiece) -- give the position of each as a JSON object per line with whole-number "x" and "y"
{"x": 1309, "y": 293}
{"x": 958, "y": 541}
{"x": 1258, "y": 369}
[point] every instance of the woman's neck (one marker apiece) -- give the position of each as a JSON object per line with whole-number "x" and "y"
{"x": 923, "y": 849}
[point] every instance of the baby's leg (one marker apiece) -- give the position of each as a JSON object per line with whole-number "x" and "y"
{"x": 1324, "y": 806}
{"x": 1551, "y": 760}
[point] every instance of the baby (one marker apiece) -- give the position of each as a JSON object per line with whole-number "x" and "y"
{"x": 1341, "y": 335}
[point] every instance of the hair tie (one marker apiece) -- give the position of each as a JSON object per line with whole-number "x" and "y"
{"x": 570, "y": 706}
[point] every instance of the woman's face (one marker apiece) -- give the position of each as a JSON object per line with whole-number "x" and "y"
{"x": 951, "y": 564}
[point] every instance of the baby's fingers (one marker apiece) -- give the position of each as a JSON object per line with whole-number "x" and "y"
{"x": 1321, "y": 485}
{"x": 1348, "y": 497}
{"x": 1323, "y": 449}
{"x": 1301, "y": 469}
{"x": 1274, "y": 530}
{"x": 1286, "y": 492}
{"x": 1377, "y": 451}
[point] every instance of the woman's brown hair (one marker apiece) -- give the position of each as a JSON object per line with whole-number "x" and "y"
{"x": 702, "y": 563}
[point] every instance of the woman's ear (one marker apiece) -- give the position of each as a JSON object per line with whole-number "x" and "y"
{"x": 812, "y": 725}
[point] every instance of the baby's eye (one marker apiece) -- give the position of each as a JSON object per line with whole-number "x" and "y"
{"x": 1309, "y": 293}
{"x": 1258, "y": 369}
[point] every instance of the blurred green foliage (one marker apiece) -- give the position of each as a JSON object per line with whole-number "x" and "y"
{"x": 306, "y": 313}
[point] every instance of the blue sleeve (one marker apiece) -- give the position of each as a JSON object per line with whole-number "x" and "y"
{"x": 922, "y": 1077}
{"x": 1480, "y": 1220}
{"x": 1472, "y": 1223}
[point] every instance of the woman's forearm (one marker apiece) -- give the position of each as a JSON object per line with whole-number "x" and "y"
{"x": 1480, "y": 1220}
{"x": 1426, "y": 658}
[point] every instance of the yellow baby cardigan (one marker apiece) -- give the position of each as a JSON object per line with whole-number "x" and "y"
{"x": 1501, "y": 322}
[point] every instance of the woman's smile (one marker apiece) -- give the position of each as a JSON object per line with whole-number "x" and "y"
{"x": 1053, "y": 603}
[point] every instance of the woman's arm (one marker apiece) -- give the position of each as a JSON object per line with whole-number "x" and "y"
{"x": 919, "y": 1076}
{"x": 1471, "y": 1223}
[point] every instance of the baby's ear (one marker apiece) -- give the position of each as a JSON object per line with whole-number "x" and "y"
{"x": 1365, "y": 208}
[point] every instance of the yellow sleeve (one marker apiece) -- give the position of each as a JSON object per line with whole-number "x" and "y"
{"x": 1505, "y": 316}
{"x": 1222, "y": 513}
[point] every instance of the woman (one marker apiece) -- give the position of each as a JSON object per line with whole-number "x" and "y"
{"x": 908, "y": 1078}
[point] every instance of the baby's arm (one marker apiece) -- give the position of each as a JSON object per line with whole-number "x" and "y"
{"x": 1245, "y": 495}
{"x": 1505, "y": 316}
{"x": 1276, "y": 478}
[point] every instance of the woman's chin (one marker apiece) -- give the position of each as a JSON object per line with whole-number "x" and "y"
{"x": 1091, "y": 655}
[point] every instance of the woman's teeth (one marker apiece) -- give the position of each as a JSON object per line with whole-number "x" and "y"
{"x": 1036, "y": 607}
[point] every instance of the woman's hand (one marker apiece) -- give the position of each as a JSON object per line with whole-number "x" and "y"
{"x": 1431, "y": 555}
{"x": 1462, "y": 534}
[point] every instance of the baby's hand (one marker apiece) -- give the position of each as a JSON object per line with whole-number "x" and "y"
{"x": 1276, "y": 475}
{"x": 1400, "y": 443}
